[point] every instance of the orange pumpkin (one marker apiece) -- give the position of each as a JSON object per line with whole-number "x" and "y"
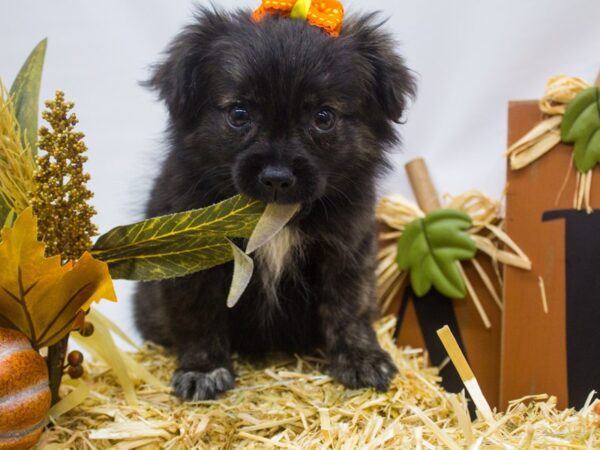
{"x": 24, "y": 392}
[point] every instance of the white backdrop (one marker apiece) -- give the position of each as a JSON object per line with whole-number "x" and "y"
{"x": 471, "y": 57}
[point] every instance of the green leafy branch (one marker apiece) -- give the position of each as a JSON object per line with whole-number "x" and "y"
{"x": 178, "y": 244}
{"x": 183, "y": 243}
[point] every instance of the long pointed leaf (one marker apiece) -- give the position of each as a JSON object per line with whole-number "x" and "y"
{"x": 73, "y": 399}
{"x": 102, "y": 346}
{"x": 25, "y": 94}
{"x": 242, "y": 273}
{"x": 95, "y": 315}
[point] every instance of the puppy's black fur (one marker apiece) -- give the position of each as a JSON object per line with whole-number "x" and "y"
{"x": 279, "y": 111}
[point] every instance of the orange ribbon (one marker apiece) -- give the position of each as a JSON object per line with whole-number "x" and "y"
{"x": 325, "y": 14}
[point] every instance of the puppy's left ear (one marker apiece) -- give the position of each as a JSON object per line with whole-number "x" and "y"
{"x": 391, "y": 84}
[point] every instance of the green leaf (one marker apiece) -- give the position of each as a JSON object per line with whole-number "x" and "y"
{"x": 25, "y": 94}
{"x": 178, "y": 244}
{"x": 243, "y": 266}
{"x": 430, "y": 247}
{"x": 581, "y": 125}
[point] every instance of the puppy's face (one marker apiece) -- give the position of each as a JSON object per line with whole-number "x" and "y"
{"x": 278, "y": 109}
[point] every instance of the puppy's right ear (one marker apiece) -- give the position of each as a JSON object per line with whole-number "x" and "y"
{"x": 391, "y": 83}
{"x": 182, "y": 78}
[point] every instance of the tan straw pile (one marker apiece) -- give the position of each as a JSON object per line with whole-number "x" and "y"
{"x": 288, "y": 402}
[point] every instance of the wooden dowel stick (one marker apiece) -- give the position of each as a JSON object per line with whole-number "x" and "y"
{"x": 422, "y": 186}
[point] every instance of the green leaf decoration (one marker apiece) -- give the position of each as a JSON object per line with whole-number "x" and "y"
{"x": 243, "y": 266}
{"x": 178, "y": 244}
{"x": 581, "y": 125}
{"x": 25, "y": 94}
{"x": 431, "y": 246}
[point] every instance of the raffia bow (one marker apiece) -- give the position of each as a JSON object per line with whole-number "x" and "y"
{"x": 325, "y": 14}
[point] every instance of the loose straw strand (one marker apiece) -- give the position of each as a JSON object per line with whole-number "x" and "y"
{"x": 475, "y": 298}
{"x": 566, "y": 179}
{"x": 543, "y": 293}
{"x": 488, "y": 283}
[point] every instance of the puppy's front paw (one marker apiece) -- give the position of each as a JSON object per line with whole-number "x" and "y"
{"x": 194, "y": 386}
{"x": 357, "y": 370}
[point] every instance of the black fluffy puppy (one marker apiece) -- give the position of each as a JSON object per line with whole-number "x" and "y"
{"x": 282, "y": 112}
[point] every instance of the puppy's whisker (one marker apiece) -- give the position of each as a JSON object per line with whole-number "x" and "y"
{"x": 206, "y": 175}
{"x": 217, "y": 190}
{"x": 217, "y": 170}
{"x": 336, "y": 206}
{"x": 342, "y": 193}
{"x": 321, "y": 200}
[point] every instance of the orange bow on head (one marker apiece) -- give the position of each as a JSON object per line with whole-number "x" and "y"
{"x": 325, "y": 14}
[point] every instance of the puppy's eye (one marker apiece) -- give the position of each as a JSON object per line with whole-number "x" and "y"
{"x": 324, "y": 120}
{"x": 238, "y": 116}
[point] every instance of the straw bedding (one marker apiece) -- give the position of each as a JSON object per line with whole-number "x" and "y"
{"x": 287, "y": 402}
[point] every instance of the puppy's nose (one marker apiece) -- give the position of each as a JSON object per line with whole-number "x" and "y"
{"x": 277, "y": 178}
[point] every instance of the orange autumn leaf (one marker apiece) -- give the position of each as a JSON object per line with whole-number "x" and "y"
{"x": 325, "y": 14}
{"x": 39, "y": 296}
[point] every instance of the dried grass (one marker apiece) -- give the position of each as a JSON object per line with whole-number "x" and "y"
{"x": 290, "y": 403}
{"x": 16, "y": 163}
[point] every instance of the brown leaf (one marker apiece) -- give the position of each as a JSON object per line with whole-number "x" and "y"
{"x": 39, "y": 296}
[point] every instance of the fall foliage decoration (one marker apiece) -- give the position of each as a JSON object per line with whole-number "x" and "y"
{"x": 60, "y": 201}
{"x": 51, "y": 277}
{"x": 60, "y": 198}
{"x": 39, "y": 296}
{"x": 24, "y": 391}
{"x": 571, "y": 109}
{"x": 325, "y": 14}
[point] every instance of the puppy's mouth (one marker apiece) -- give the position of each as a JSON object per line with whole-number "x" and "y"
{"x": 280, "y": 198}
{"x": 274, "y": 198}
